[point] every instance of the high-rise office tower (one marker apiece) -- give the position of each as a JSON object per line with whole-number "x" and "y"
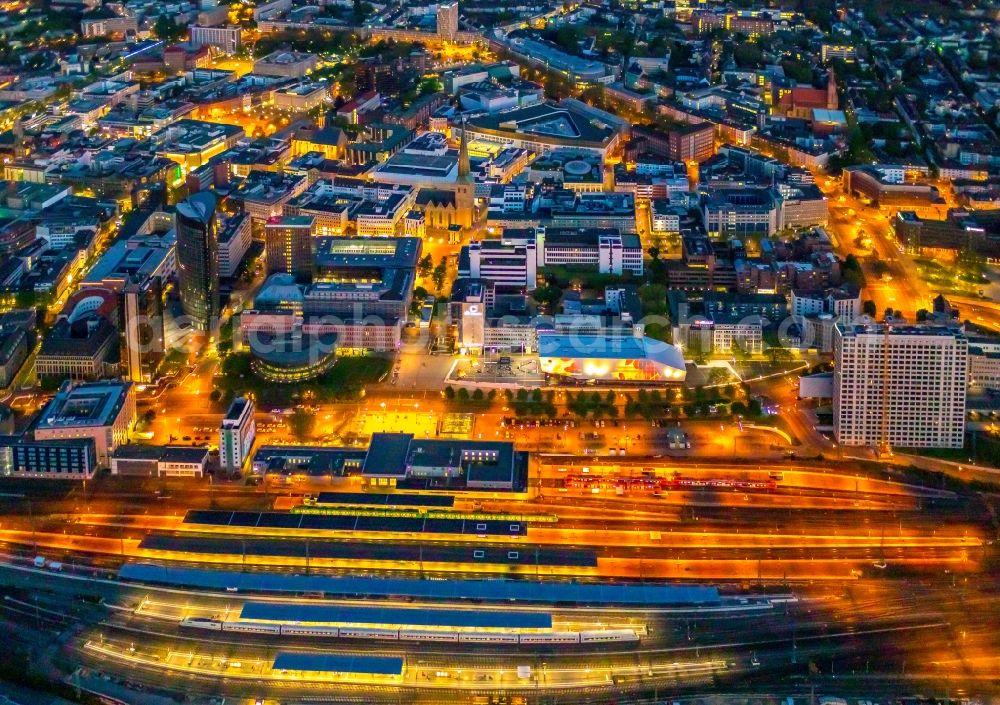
{"x": 288, "y": 241}
{"x": 901, "y": 386}
{"x": 142, "y": 343}
{"x": 198, "y": 259}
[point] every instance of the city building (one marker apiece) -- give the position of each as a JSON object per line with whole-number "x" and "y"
{"x": 83, "y": 349}
{"x": 881, "y": 187}
{"x": 901, "y": 386}
{"x": 298, "y": 355}
{"x": 361, "y": 294}
{"x": 502, "y": 262}
{"x": 227, "y": 39}
{"x": 843, "y": 302}
{"x": 133, "y": 460}
{"x": 235, "y": 236}
{"x": 288, "y": 243}
{"x": 426, "y": 161}
{"x": 618, "y": 359}
{"x": 15, "y": 341}
{"x": 236, "y": 435}
{"x": 70, "y": 459}
{"x": 740, "y": 212}
{"x": 198, "y": 259}
{"x": 400, "y": 461}
{"x": 693, "y": 142}
{"x": 285, "y": 64}
{"x": 142, "y": 344}
{"x": 101, "y": 411}
{"x": 302, "y": 97}
{"x": 605, "y": 249}
{"x": 544, "y": 127}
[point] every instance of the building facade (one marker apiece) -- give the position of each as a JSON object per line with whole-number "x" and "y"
{"x": 236, "y": 435}
{"x": 905, "y": 386}
{"x": 288, "y": 242}
{"x": 198, "y": 259}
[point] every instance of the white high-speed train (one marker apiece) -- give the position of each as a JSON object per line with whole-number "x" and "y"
{"x": 252, "y": 627}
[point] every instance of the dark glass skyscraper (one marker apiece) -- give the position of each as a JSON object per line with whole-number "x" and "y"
{"x": 198, "y": 259}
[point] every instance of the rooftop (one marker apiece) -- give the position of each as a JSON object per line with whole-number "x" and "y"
{"x": 339, "y": 663}
{"x": 85, "y": 405}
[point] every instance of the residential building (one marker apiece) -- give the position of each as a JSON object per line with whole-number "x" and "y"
{"x": 447, "y": 20}
{"x": 904, "y": 386}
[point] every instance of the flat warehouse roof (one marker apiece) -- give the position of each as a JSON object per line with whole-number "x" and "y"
{"x": 531, "y": 591}
{"x": 321, "y": 522}
{"x": 390, "y": 500}
{"x": 339, "y": 663}
{"x": 368, "y": 550}
{"x": 336, "y": 614}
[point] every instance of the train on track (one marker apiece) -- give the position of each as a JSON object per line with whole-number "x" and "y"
{"x": 649, "y": 483}
{"x": 472, "y": 637}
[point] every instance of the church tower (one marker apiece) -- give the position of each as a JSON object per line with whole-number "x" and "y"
{"x": 465, "y": 185}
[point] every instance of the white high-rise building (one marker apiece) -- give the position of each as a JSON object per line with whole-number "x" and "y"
{"x": 911, "y": 383}
{"x": 236, "y": 435}
{"x": 447, "y": 20}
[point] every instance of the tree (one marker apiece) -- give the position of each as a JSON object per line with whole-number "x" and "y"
{"x": 567, "y": 37}
{"x": 547, "y": 297}
{"x": 851, "y": 271}
{"x": 429, "y": 85}
{"x": 361, "y": 11}
{"x": 717, "y": 376}
{"x": 779, "y": 354}
{"x": 440, "y": 272}
{"x": 425, "y": 266}
{"x": 167, "y": 29}
{"x": 478, "y": 395}
{"x": 449, "y": 393}
{"x": 216, "y": 395}
{"x": 869, "y": 308}
{"x": 301, "y": 424}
